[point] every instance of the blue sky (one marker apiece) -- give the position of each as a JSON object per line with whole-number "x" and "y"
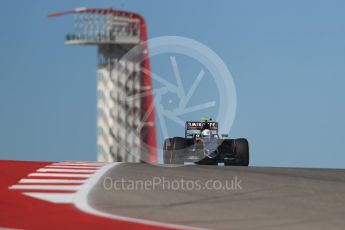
{"x": 287, "y": 59}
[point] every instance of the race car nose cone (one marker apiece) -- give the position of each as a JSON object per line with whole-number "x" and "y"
{"x": 209, "y": 154}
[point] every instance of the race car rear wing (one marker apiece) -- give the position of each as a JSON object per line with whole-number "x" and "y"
{"x": 193, "y": 127}
{"x": 197, "y": 125}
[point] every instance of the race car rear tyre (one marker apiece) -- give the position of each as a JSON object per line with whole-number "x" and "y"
{"x": 167, "y": 155}
{"x": 242, "y": 152}
{"x": 178, "y": 150}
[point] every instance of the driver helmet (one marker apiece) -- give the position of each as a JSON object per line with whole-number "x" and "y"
{"x": 206, "y": 133}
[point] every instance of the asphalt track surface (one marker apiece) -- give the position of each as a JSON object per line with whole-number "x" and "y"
{"x": 267, "y": 198}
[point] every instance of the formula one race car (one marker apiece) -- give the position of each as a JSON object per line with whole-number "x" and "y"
{"x": 202, "y": 145}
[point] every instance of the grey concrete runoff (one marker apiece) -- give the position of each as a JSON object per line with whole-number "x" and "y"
{"x": 242, "y": 198}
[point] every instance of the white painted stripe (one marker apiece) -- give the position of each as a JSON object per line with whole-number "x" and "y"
{"x": 82, "y": 162}
{"x": 51, "y": 181}
{"x": 77, "y": 164}
{"x": 66, "y": 170}
{"x": 97, "y": 162}
{"x": 46, "y": 187}
{"x": 72, "y": 167}
{"x": 81, "y": 202}
{"x": 67, "y": 175}
{"x": 60, "y": 198}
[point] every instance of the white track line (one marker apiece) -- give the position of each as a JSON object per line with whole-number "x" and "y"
{"x": 51, "y": 181}
{"x": 81, "y": 202}
{"x": 72, "y": 167}
{"x": 60, "y": 198}
{"x": 46, "y": 187}
{"x": 82, "y": 162}
{"x": 59, "y": 175}
{"x": 66, "y": 170}
{"x": 75, "y": 163}
{"x": 71, "y": 161}
{"x": 78, "y": 164}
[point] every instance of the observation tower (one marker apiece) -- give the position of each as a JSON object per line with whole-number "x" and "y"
{"x": 125, "y": 127}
